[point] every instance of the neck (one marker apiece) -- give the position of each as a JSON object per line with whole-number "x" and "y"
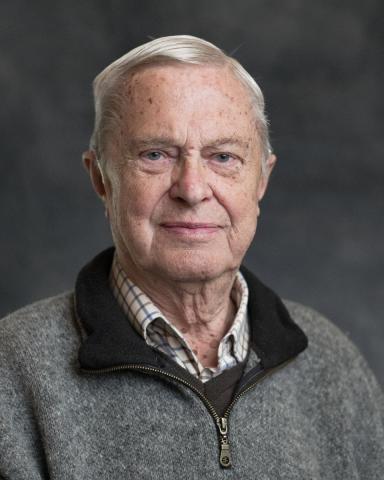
{"x": 202, "y": 310}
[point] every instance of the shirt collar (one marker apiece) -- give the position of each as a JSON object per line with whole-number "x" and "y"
{"x": 239, "y": 331}
{"x": 142, "y": 312}
{"x": 108, "y": 340}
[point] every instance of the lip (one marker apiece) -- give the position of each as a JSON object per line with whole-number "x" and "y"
{"x": 190, "y": 225}
{"x": 191, "y": 229}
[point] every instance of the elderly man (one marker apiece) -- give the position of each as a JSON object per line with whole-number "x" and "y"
{"x": 170, "y": 360}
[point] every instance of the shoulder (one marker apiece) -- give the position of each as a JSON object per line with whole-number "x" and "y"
{"x": 332, "y": 359}
{"x": 41, "y": 313}
{"x": 39, "y": 327}
{"x": 323, "y": 335}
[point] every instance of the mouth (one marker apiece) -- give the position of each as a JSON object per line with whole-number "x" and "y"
{"x": 191, "y": 229}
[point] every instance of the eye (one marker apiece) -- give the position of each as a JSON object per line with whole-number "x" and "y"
{"x": 223, "y": 157}
{"x": 153, "y": 155}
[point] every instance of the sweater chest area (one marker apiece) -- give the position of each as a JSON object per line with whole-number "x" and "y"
{"x": 114, "y": 424}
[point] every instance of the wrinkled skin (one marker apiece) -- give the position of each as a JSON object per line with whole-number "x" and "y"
{"x": 182, "y": 187}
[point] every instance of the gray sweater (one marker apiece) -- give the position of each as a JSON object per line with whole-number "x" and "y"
{"x": 82, "y": 397}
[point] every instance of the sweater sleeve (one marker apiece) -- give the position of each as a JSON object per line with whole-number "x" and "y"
{"x": 366, "y": 406}
{"x": 21, "y": 450}
{"x": 348, "y": 401}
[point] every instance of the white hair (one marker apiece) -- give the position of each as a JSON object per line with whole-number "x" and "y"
{"x": 107, "y": 86}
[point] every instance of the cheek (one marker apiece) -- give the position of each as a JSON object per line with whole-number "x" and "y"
{"x": 245, "y": 226}
{"x": 135, "y": 202}
{"x": 247, "y": 221}
{"x": 243, "y": 210}
{"x": 127, "y": 196}
{"x": 241, "y": 202}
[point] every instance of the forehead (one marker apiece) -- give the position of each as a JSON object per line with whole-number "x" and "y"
{"x": 176, "y": 76}
{"x": 176, "y": 97}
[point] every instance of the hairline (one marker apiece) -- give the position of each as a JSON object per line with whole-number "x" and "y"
{"x": 126, "y": 70}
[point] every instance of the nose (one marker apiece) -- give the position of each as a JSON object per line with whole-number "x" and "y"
{"x": 190, "y": 182}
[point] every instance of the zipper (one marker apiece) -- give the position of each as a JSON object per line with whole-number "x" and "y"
{"x": 225, "y": 452}
{"x": 221, "y": 422}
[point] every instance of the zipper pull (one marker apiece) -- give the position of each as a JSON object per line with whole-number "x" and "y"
{"x": 225, "y": 453}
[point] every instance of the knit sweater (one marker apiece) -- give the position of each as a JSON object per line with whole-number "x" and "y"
{"x": 83, "y": 397}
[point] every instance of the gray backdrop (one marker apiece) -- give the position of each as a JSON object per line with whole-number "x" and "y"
{"x": 320, "y": 64}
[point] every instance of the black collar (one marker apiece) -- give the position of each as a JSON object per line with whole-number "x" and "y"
{"x": 112, "y": 341}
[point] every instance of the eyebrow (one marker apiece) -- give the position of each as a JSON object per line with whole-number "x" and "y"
{"x": 162, "y": 141}
{"x": 165, "y": 141}
{"x": 219, "y": 142}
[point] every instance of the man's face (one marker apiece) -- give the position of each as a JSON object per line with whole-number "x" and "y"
{"x": 182, "y": 196}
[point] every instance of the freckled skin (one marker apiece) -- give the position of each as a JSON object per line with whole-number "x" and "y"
{"x": 188, "y": 277}
{"x": 183, "y": 102}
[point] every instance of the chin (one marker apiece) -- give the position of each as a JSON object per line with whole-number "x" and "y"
{"x": 192, "y": 267}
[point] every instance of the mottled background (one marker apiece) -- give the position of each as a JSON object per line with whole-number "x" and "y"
{"x": 320, "y": 64}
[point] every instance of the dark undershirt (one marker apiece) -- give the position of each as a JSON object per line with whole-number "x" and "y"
{"x": 219, "y": 390}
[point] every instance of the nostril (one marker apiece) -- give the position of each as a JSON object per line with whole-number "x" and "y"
{"x": 191, "y": 193}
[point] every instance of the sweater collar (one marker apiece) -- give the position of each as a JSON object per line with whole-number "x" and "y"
{"x": 111, "y": 341}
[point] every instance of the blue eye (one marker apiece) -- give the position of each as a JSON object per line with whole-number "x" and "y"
{"x": 153, "y": 155}
{"x": 223, "y": 157}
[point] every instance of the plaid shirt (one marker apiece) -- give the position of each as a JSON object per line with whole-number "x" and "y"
{"x": 160, "y": 334}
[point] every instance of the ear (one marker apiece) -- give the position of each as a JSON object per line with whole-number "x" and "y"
{"x": 265, "y": 175}
{"x": 96, "y": 175}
